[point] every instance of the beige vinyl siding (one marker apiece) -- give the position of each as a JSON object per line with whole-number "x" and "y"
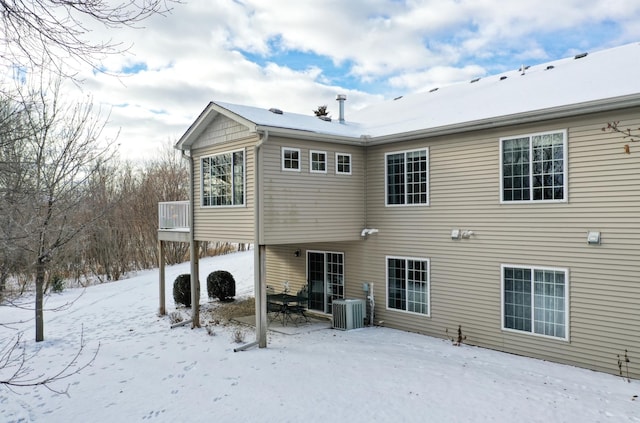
{"x": 604, "y": 287}
{"x": 222, "y": 130}
{"x": 229, "y": 223}
{"x": 311, "y": 207}
{"x": 283, "y": 266}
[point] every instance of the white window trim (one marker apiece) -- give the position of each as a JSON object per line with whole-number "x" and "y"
{"x": 350, "y": 163}
{"x": 386, "y": 185}
{"x": 283, "y": 149}
{"x": 244, "y": 179}
{"x": 326, "y": 165}
{"x": 565, "y": 156}
{"x": 344, "y": 271}
{"x": 566, "y": 296}
{"x": 386, "y": 285}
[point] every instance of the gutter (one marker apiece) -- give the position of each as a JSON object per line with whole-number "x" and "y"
{"x": 195, "y": 283}
{"x": 258, "y": 255}
{"x": 310, "y": 135}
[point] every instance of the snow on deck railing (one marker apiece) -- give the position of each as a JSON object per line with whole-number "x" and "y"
{"x": 173, "y": 215}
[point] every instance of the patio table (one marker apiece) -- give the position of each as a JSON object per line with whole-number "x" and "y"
{"x": 283, "y": 305}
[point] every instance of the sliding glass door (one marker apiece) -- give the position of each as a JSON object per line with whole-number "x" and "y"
{"x": 325, "y": 275}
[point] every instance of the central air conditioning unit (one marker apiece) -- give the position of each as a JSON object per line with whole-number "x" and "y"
{"x": 348, "y": 314}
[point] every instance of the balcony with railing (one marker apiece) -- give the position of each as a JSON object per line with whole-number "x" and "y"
{"x": 173, "y": 220}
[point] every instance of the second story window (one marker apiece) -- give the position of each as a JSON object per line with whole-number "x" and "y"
{"x": 318, "y": 161}
{"x": 223, "y": 179}
{"x": 343, "y": 164}
{"x": 291, "y": 159}
{"x": 407, "y": 177}
{"x": 534, "y": 167}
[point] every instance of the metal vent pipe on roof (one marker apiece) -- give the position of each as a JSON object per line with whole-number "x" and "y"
{"x": 341, "y": 99}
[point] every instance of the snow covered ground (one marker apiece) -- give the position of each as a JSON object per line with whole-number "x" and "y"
{"x": 145, "y": 371}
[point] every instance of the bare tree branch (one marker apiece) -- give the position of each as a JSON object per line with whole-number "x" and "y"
{"x": 46, "y": 34}
{"x": 632, "y": 135}
{"x": 16, "y": 372}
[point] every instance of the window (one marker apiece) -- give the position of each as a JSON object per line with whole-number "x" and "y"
{"x": 534, "y": 167}
{"x": 408, "y": 284}
{"x": 318, "y": 161}
{"x": 535, "y": 300}
{"x": 407, "y": 175}
{"x": 291, "y": 159}
{"x": 343, "y": 164}
{"x": 223, "y": 179}
{"x": 325, "y": 276}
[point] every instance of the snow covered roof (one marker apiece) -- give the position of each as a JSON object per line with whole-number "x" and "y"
{"x": 601, "y": 80}
{"x": 570, "y": 85}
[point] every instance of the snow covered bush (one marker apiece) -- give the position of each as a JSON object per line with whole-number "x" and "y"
{"x": 221, "y": 285}
{"x": 182, "y": 290}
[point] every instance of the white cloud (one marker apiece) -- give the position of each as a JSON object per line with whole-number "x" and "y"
{"x": 193, "y": 55}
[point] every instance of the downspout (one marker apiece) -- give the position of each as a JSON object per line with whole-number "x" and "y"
{"x": 258, "y": 255}
{"x": 195, "y": 285}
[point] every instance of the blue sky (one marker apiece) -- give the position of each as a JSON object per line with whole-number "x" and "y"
{"x": 297, "y": 55}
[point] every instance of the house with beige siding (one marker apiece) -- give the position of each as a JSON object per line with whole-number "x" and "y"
{"x": 498, "y": 205}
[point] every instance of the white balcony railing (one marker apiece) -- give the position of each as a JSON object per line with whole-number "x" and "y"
{"x": 173, "y": 215}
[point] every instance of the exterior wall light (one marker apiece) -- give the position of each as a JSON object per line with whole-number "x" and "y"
{"x": 296, "y": 253}
{"x": 593, "y": 238}
{"x": 368, "y": 231}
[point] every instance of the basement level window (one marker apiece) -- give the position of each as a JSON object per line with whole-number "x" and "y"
{"x": 408, "y": 284}
{"x": 535, "y": 300}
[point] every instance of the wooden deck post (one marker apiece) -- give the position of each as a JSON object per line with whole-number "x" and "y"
{"x": 195, "y": 283}
{"x": 162, "y": 309}
{"x": 261, "y": 295}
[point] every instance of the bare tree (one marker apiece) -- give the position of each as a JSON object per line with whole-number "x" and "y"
{"x": 55, "y": 161}
{"x": 13, "y": 186}
{"x": 44, "y": 34}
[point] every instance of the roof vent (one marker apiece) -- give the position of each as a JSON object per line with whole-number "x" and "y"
{"x": 325, "y": 118}
{"x": 275, "y": 111}
{"x": 550, "y": 67}
{"x": 475, "y": 80}
{"x": 502, "y": 78}
{"x": 580, "y": 56}
{"x": 341, "y": 99}
{"x": 433, "y": 90}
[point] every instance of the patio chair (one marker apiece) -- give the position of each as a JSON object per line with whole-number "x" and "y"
{"x": 274, "y": 310}
{"x": 299, "y": 307}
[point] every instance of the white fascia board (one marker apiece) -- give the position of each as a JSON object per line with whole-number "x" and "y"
{"x": 204, "y": 119}
{"x": 310, "y": 136}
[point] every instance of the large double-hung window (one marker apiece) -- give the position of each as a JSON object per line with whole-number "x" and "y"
{"x": 408, "y": 284}
{"x": 534, "y": 167}
{"x": 223, "y": 179}
{"x": 535, "y": 300}
{"x": 407, "y": 177}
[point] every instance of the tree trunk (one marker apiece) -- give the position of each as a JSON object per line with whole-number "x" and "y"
{"x": 40, "y": 267}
